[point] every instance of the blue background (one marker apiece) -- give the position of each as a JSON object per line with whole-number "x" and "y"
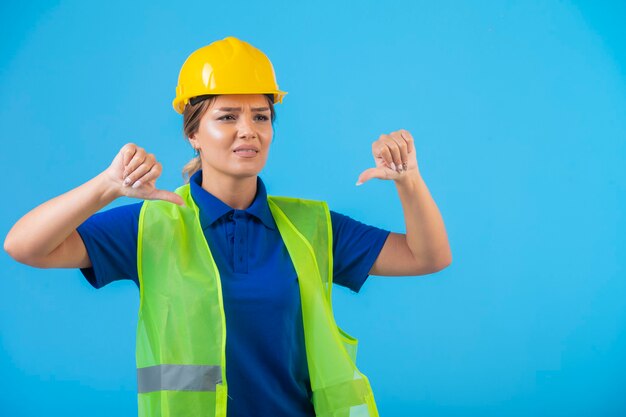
{"x": 518, "y": 109}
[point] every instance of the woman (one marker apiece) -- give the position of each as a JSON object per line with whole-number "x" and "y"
{"x": 228, "y": 274}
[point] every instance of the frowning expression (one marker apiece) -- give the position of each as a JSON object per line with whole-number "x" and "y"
{"x": 234, "y": 135}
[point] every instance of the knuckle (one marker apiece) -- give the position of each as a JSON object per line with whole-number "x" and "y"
{"x": 155, "y": 171}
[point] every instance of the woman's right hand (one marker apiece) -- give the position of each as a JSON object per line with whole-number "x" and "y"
{"x": 134, "y": 172}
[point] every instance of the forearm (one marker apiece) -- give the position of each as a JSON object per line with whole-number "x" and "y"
{"x": 425, "y": 231}
{"x": 43, "y": 229}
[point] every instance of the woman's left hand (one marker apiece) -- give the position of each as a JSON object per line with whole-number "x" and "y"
{"x": 394, "y": 156}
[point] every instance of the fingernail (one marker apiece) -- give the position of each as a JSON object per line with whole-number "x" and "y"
{"x": 127, "y": 181}
{"x": 404, "y": 165}
{"x": 136, "y": 184}
{"x": 359, "y": 182}
{"x": 393, "y": 166}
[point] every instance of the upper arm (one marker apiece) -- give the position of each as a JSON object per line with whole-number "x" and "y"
{"x": 110, "y": 239}
{"x": 355, "y": 248}
{"x": 104, "y": 247}
{"x": 71, "y": 253}
{"x": 396, "y": 259}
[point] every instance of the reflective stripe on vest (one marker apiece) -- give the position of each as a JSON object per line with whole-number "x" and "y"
{"x": 178, "y": 378}
{"x": 181, "y": 329}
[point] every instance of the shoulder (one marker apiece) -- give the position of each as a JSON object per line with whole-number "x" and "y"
{"x": 353, "y": 235}
{"x": 113, "y": 215}
{"x": 111, "y": 224}
{"x": 340, "y": 221}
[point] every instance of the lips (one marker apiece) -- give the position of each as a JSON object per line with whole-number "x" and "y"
{"x": 246, "y": 151}
{"x": 246, "y": 148}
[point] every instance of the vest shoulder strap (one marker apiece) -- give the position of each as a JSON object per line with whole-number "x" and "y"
{"x": 311, "y": 218}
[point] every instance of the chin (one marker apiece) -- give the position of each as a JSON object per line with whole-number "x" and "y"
{"x": 245, "y": 173}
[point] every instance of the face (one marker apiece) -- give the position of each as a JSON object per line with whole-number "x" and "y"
{"x": 234, "y": 135}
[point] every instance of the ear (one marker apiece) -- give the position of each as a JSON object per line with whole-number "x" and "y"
{"x": 194, "y": 141}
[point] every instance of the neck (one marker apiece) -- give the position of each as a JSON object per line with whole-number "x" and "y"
{"x": 237, "y": 193}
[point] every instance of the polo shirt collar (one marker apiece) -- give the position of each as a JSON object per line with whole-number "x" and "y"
{"x": 212, "y": 208}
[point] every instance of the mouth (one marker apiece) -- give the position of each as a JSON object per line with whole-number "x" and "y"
{"x": 246, "y": 152}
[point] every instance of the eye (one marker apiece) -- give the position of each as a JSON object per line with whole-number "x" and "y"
{"x": 225, "y": 117}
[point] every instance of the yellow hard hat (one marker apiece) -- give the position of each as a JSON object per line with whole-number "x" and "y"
{"x": 227, "y": 66}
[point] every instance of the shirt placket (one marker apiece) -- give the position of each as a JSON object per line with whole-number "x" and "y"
{"x": 240, "y": 250}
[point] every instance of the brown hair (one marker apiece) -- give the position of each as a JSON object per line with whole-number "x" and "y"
{"x": 191, "y": 122}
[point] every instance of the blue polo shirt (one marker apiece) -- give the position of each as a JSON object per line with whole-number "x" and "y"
{"x": 266, "y": 368}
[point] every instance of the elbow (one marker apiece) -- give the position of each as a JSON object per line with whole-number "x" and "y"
{"x": 15, "y": 251}
{"x": 11, "y": 249}
{"x": 442, "y": 262}
{"x": 430, "y": 265}
{"x": 9, "y": 246}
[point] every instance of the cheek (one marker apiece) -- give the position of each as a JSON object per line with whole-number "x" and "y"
{"x": 213, "y": 132}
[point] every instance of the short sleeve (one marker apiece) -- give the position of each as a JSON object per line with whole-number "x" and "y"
{"x": 355, "y": 248}
{"x": 110, "y": 238}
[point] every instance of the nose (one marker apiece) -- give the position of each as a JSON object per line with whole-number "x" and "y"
{"x": 246, "y": 127}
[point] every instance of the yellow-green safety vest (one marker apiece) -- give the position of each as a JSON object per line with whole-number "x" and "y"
{"x": 181, "y": 329}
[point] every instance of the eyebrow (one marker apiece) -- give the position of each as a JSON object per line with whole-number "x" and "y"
{"x": 239, "y": 109}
